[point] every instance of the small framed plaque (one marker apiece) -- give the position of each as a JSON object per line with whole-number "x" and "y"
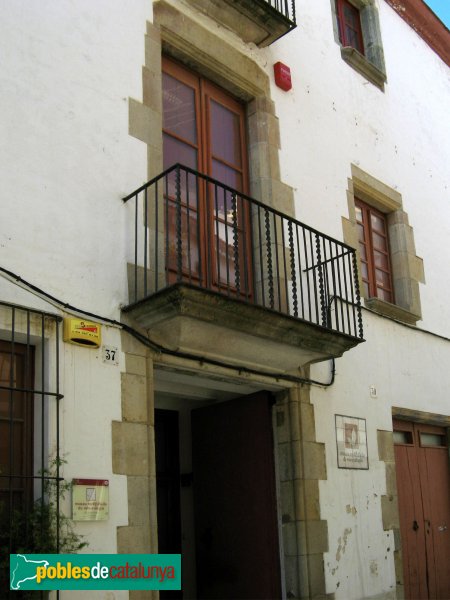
{"x": 90, "y": 499}
{"x": 351, "y": 441}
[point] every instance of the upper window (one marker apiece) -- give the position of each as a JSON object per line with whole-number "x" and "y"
{"x": 390, "y": 271}
{"x": 349, "y": 24}
{"x": 357, "y": 31}
{"x": 374, "y": 251}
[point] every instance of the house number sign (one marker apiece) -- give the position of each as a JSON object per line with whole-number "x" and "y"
{"x": 110, "y": 355}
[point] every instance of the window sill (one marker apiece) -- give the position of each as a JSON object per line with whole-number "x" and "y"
{"x": 391, "y": 310}
{"x": 367, "y": 69}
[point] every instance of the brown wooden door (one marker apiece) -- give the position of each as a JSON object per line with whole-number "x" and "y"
{"x": 204, "y": 129}
{"x": 423, "y": 481}
{"x": 235, "y": 501}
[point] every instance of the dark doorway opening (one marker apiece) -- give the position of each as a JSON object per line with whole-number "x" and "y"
{"x": 168, "y": 486}
{"x": 234, "y": 497}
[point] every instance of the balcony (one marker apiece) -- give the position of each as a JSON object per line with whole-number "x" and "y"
{"x": 216, "y": 273}
{"x": 259, "y": 21}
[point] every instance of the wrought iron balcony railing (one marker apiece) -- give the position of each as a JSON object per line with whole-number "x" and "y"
{"x": 190, "y": 228}
{"x": 286, "y": 8}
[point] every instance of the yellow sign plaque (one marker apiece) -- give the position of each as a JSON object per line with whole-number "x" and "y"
{"x": 90, "y": 499}
{"x": 82, "y": 333}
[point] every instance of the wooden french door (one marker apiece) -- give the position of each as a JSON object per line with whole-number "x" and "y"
{"x": 235, "y": 500}
{"x": 423, "y": 482}
{"x": 204, "y": 129}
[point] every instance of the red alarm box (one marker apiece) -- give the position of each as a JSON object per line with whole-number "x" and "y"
{"x": 282, "y": 76}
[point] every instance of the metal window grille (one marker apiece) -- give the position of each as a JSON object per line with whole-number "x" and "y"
{"x": 29, "y": 436}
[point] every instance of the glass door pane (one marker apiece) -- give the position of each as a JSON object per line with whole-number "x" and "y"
{"x": 226, "y": 164}
{"x": 181, "y": 133}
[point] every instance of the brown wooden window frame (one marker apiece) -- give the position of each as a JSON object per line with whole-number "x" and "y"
{"x": 368, "y": 243}
{"x": 206, "y": 93}
{"x": 343, "y": 25}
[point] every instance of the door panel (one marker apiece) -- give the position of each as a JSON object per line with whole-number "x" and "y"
{"x": 435, "y": 481}
{"x": 181, "y": 144}
{"x": 226, "y": 160}
{"x": 411, "y": 515}
{"x": 179, "y": 106}
{"x": 177, "y": 151}
{"x": 423, "y": 482}
{"x": 226, "y": 134}
{"x": 235, "y": 500}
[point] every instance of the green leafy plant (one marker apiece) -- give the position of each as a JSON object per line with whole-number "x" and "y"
{"x": 35, "y": 531}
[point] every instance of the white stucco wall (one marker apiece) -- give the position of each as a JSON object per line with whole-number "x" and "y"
{"x": 68, "y": 69}
{"x": 67, "y": 72}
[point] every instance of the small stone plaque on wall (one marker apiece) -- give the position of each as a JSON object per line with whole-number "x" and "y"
{"x": 90, "y": 499}
{"x": 351, "y": 441}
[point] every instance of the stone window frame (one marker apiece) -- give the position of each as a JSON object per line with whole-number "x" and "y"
{"x": 407, "y": 267}
{"x": 184, "y": 39}
{"x": 371, "y": 65}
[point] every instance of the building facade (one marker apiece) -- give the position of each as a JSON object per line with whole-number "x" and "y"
{"x": 249, "y": 199}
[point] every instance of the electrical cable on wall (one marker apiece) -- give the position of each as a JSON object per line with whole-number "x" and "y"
{"x": 146, "y": 341}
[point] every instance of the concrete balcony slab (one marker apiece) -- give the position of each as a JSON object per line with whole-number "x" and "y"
{"x": 207, "y": 324}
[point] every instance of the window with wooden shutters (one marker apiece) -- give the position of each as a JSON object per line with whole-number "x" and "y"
{"x": 356, "y": 28}
{"x": 349, "y": 23}
{"x": 374, "y": 252}
{"x": 390, "y": 271}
